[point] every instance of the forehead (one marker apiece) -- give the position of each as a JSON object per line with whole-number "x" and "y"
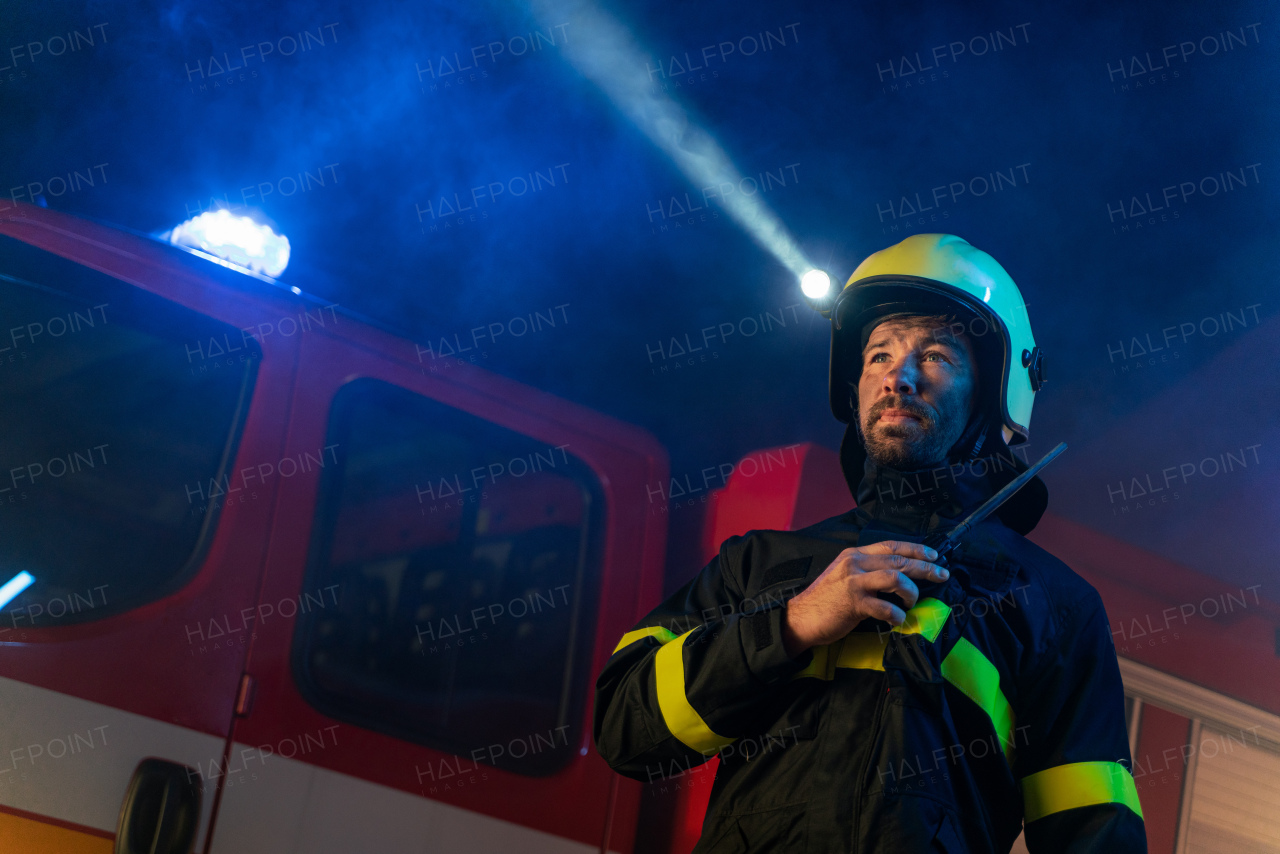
{"x": 916, "y": 332}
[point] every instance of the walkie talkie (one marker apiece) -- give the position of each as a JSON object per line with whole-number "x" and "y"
{"x": 945, "y": 543}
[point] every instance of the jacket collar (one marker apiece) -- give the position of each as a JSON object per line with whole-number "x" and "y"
{"x": 919, "y": 502}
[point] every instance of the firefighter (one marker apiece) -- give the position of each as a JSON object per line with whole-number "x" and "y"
{"x": 861, "y": 697}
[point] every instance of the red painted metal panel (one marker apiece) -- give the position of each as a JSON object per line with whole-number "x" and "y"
{"x": 1175, "y": 619}
{"x": 777, "y": 488}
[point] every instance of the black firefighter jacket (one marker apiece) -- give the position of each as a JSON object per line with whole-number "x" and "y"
{"x": 998, "y": 702}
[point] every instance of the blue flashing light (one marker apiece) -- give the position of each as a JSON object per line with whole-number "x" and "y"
{"x": 15, "y": 586}
{"x": 237, "y": 240}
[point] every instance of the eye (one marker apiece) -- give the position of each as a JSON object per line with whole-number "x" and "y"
{"x": 877, "y": 357}
{"x": 935, "y": 356}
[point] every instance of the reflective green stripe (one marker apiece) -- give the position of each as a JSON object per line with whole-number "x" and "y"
{"x": 682, "y": 719}
{"x": 663, "y": 636}
{"x": 1080, "y": 784}
{"x": 926, "y": 618}
{"x": 977, "y": 678}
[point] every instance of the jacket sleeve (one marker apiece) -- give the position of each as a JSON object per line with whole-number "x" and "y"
{"x": 692, "y": 676}
{"x": 1075, "y": 769}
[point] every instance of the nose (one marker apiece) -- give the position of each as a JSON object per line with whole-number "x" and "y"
{"x": 901, "y": 377}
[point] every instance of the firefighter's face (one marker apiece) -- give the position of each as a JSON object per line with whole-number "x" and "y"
{"x": 915, "y": 393}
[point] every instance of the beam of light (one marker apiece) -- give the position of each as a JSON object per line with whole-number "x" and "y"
{"x": 604, "y": 52}
{"x": 235, "y": 239}
{"x": 14, "y": 586}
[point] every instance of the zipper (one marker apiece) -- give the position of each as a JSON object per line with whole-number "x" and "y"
{"x": 876, "y": 721}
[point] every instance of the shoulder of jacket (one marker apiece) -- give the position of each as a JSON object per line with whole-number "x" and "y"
{"x": 1068, "y": 596}
{"x": 769, "y": 555}
{"x": 815, "y": 535}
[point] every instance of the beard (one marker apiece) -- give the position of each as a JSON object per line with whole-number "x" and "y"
{"x": 912, "y": 445}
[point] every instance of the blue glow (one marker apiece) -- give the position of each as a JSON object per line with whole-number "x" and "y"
{"x": 14, "y": 586}
{"x": 235, "y": 239}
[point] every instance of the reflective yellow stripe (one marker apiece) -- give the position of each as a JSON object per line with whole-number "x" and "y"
{"x": 862, "y": 651}
{"x": 1080, "y": 784}
{"x": 926, "y": 618}
{"x": 818, "y": 666}
{"x": 682, "y": 719}
{"x": 865, "y": 650}
{"x": 977, "y": 678}
{"x": 663, "y": 636}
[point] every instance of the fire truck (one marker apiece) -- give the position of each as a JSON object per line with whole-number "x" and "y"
{"x": 277, "y": 578}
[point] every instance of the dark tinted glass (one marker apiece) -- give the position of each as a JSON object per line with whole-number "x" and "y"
{"x": 108, "y": 427}
{"x": 464, "y": 556}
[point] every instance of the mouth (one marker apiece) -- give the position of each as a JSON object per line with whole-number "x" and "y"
{"x": 898, "y": 416}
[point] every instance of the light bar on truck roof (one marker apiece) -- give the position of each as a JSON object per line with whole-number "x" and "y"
{"x": 237, "y": 240}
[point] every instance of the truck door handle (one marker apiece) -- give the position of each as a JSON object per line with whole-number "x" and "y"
{"x": 161, "y": 811}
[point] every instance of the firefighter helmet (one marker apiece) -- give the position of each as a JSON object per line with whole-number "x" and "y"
{"x": 941, "y": 274}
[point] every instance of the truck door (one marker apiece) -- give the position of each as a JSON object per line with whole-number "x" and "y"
{"x": 122, "y": 561}
{"x": 445, "y": 581}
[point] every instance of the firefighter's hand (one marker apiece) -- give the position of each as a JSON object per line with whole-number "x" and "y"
{"x": 845, "y": 593}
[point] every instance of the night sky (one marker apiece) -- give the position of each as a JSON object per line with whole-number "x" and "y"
{"x": 1118, "y": 161}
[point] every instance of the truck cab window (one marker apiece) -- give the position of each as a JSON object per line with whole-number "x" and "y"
{"x": 114, "y": 439}
{"x": 463, "y": 558}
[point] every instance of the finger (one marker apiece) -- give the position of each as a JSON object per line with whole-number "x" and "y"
{"x": 917, "y": 569}
{"x": 891, "y": 581}
{"x": 879, "y": 609}
{"x": 919, "y": 551}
